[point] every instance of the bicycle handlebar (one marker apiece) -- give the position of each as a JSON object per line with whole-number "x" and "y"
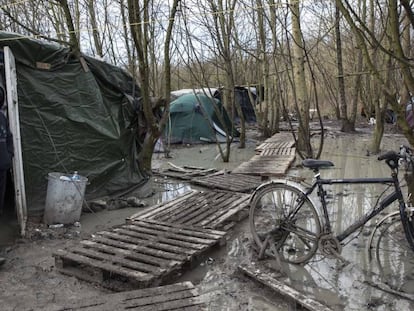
{"x": 392, "y": 158}
{"x": 390, "y": 155}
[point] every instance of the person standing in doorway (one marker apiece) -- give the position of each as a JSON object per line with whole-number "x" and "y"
{"x": 6, "y": 153}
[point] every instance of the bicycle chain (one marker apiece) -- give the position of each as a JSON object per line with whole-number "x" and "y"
{"x": 329, "y": 246}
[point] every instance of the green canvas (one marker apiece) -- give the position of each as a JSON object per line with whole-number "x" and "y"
{"x": 197, "y": 118}
{"x": 74, "y": 118}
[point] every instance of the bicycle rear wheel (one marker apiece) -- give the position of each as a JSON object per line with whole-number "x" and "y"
{"x": 283, "y": 220}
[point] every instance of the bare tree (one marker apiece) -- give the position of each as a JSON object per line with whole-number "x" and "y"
{"x": 390, "y": 46}
{"x": 347, "y": 124}
{"x": 140, "y": 15}
{"x": 300, "y": 86}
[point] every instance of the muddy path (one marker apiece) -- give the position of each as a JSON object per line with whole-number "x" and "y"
{"x": 29, "y": 275}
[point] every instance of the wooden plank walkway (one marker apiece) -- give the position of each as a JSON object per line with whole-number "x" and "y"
{"x": 281, "y": 136}
{"x": 230, "y": 182}
{"x": 207, "y": 209}
{"x": 281, "y": 147}
{"x": 277, "y": 151}
{"x": 140, "y": 254}
{"x": 179, "y": 296}
{"x": 270, "y": 166}
{"x": 185, "y": 172}
{"x": 275, "y": 156}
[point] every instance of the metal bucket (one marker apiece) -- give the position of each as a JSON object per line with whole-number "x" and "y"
{"x": 64, "y": 198}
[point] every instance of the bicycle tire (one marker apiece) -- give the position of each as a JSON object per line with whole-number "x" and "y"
{"x": 273, "y": 226}
{"x": 407, "y": 220}
{"x": 390, "y": 254}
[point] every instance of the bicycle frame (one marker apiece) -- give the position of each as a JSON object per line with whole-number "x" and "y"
{"x": 385, "y": 202}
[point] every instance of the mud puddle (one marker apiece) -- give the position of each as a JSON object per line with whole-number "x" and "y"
{"x": 31, "y": 276}
{"x": 383, "y": 281}
{"x": 369, "y": 274}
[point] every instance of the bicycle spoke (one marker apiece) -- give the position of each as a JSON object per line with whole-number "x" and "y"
{"x": 291, "y": 224}
{"x": 304, "y": 234}
{"x": 393, "y": 260}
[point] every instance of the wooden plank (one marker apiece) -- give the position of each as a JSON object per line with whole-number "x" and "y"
{"x": 118, "y": 261}
{"x": 201, "y": 209}
{"x": 212, "y": 203}
{"x": 65, "y": 256}
{"x": 219, "y": 218}
{"x": 171, "y": 305}
{"x": 168, "y": 243}
{"x": 138, "y": 239}
{"x": 188, "y": 237}
{"x": 156, "y": 253}
{"x": 218, "y": 221}
{"x": 186, "y": 172}
{"x": 230, "y": 182}
{"x": 266, "y": 278}
{"x": 146, "y": 262}
{"x": 148, "y": 213}
{"x": 187, "y": 240}
{"x": 278, "y": 151}
{"x": 142, "y": 253}
{"x": 179, "y": 296}
{"x": 176, "y": 213}
{"x": 184, "y": 230}
{"x": 276, "y": 142}
{"x": 282, "y": 137}
{"x": 165, "y": 301}
{"x": 266, "y": 166}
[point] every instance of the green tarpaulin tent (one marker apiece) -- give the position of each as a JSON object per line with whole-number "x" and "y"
{"x": 76, "y": 114}
{"x": 196, "y": 118}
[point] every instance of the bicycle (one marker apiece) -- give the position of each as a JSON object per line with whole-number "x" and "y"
{"x": 285, "y": 222}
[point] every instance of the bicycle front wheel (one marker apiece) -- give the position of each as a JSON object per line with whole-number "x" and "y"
{"x": 391, "y": 255}
{"x": 407, "y": 220}
{"x": 282, "y": 219}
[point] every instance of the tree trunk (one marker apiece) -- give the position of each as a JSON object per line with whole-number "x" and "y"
{"x": 347, "y": 125}
{"x": 378, "y": 131}
{"x": 140, "y": 33}
{"x": 95, "y": 28}
{"x": 74, "y": 40}
{"x": 302, "y": 100}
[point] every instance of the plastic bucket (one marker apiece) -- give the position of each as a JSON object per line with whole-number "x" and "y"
{"x": 64, "y": 199}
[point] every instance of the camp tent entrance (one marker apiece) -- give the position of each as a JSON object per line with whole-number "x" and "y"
{"x": 75, "y": 114}
{"x": 196, "y": 118}
{"x": 8, "y": 82}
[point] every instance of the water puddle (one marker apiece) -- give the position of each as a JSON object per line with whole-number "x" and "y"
{"x": 166, "y": 191}
{"x": 359, "y": 282}
{"x": 369, "y": 274}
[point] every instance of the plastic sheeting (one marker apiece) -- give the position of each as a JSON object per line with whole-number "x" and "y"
{"x": 74, "y": 119}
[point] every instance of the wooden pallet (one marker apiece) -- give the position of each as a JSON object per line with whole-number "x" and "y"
{"x": 284, "y": 136}
{"x": 278, "y": 151}
{"x": 230, "y": 182}
{"x": 179, "y": 296}
{"x": 185, "y": 172}
{"x": 274, "y": 166}
{"x": 283, "y": 145}
{"x": 136, "y": 255}
{"x": 207, "y": 209}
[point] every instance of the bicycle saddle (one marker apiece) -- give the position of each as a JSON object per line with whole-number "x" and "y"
{"x": 315, "y": 164}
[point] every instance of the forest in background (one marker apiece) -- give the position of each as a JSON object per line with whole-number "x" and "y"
{"x": 336, "y": 57}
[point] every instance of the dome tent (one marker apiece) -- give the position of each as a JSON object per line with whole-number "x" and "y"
{"x": 196, "y": 118}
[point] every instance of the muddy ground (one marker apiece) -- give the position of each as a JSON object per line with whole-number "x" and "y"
{"x": 29, "y": 277}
